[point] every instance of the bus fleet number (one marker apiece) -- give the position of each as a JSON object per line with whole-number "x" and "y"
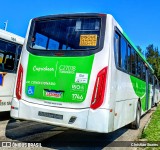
{"x": 13, "y": 39}
{"x": 77, "y": 96}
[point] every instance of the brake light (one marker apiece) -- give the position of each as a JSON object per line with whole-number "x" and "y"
{"x": 99, "y": 89}
{"x": 12, "y": 107}
{"x": 59, "y": 54}
{"x": 19, "y": 83}
{"x": 102, "y": 15}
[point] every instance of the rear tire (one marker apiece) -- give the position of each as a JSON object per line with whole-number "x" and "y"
{"x": 155, "y": 104}
{"x": 136, "y": 123}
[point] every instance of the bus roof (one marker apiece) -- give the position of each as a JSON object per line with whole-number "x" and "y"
{"x": 11, "y": 37}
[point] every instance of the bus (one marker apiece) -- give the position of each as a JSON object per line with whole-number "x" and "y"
{"x": 10, "y": 50}
{"x": 156, "y": 91}
{"x": 81, "y": 71}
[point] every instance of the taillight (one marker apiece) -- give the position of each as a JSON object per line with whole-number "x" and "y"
{"x": 12, "y": 107}
{"x": 99, "y": 89}
{"x": 19, "y": 83}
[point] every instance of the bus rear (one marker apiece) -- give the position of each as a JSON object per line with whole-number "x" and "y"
{"x": 10, "y": 50}
{"x": 63, "y": 72}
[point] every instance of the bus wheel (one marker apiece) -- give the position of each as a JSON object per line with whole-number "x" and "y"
{"x": 136, "y": 123}
{"x": 155, "y": 104}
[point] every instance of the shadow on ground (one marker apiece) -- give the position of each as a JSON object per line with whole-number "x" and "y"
{"x": 4, "y": 115}
{"x": 57, "y": 137}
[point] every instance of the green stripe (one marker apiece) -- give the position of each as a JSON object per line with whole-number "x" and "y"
{"x": 139, "y": 87}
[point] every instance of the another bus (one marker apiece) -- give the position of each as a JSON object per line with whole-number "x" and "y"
{"x": 10, "y": 50}
{"x": 156, "y": 91}
{"x": 81, "y": 71}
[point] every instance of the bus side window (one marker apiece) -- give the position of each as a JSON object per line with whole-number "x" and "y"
{"x": 129, "y": 59}
{"x": 117, "y": 48}
{"x": 124, "y": 54}
{"x": 150, "y": 77}
{"x": 143, "y": 71}
{"x": 136, "y": 64}
{"x": 133, "y": 61}
{"x": 139, "y": 67}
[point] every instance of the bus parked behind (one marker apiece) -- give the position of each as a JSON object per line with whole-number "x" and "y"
{"x": 10, "y": 50}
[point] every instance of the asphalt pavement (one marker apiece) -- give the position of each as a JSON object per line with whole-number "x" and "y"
{"x": 27, "y": 134}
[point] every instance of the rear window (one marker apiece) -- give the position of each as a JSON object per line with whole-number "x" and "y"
{"x": 66, "y": 34}
{"x": 8, "y": 56}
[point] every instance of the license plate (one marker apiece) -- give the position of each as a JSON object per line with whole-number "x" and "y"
{"x": 50, "y": 115}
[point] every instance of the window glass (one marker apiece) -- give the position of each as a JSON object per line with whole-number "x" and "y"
{"x": 123, "y": 54}
{"x": 19, "y": 47}
{"x": 139, "y": 67}
{"x": 143, "y": 71}
{"x": 136, "y": 64}
{"x": 7, "y": 47}
{"x": 9, "y": 62}
{"x": 117, "y": 50}
{"x": 150, "y": 77}
{"x": 39, "y": 41}
{"x": 1, "y": 61}
{"x": 1, "y": 57}
{"x": 133, "y": 60}
{"x": 53, "y": 45}
{"x": 7, "y": 55}
{"x": 129, "y": 59}
{"x": 66, "y": 34}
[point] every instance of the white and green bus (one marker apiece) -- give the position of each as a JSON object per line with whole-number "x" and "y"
{"x": 10, "y": 50}
{"x": 81, "y": 71}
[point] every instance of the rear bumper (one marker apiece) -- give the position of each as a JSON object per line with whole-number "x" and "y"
{"x": 86, "y": 119}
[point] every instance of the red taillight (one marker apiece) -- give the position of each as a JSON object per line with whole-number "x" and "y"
{"x": 99, "y": 89}
{"x": 12, "y": 107}
{"x": 19, "y": 83}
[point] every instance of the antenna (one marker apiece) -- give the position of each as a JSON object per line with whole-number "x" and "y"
{"x": 6, "y": 23}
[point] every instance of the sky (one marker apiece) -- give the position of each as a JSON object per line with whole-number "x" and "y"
{"x": 140, "y": 19}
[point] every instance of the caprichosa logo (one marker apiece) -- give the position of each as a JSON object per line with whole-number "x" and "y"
{"x": 46, "y": 68}
{"x": 67, "y": 69}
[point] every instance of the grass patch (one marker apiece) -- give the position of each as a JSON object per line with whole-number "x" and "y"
{"x": 152, "y": 131}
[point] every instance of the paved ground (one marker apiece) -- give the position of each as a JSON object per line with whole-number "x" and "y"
{"x": 132, "y": 135}
{"x": 52, "y": 137}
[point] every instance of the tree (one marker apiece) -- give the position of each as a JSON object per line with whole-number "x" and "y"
{"x": 140, "y": 49}
{"x": 153, "y": 57}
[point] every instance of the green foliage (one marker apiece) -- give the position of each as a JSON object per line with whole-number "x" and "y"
{"x": 139, "y": 48}
{"x": 152, "y": 132}
{"x": 153, "y": 57}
